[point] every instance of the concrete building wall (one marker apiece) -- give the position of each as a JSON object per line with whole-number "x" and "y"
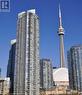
{"x": 4, "y": 86}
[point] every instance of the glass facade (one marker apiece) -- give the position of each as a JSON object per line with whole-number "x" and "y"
{"x": 75, "y": 67}
{"x": 27, "y": 54}
{"x": 11, "y": 65}
{"x": 46, "y": 77}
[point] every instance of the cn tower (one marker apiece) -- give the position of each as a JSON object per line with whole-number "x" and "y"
{"x": 61, "y": 36}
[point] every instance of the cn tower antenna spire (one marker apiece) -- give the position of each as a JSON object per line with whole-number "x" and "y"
{"x": 60, "y": 17}
{"x": 61, "y": 34}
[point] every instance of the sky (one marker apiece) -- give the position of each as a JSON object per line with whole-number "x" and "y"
{"x": 47, "y": 10}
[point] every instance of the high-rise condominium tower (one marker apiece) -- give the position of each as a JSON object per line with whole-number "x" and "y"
{"x": 46, "y": 76}
{"x": 27, "y": 80}
{"x": 61, "y": 34}
{"x": 11, "y": 65}
{"x": 75, "y": 67}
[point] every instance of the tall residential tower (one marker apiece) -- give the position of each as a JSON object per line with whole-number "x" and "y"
{"x": 11, "y": 65}
{"x": 75, "y": 67}
{"x": 27, "y": 78}
{"x": 61, "y": 34}
{"x": 46, "y": 76}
